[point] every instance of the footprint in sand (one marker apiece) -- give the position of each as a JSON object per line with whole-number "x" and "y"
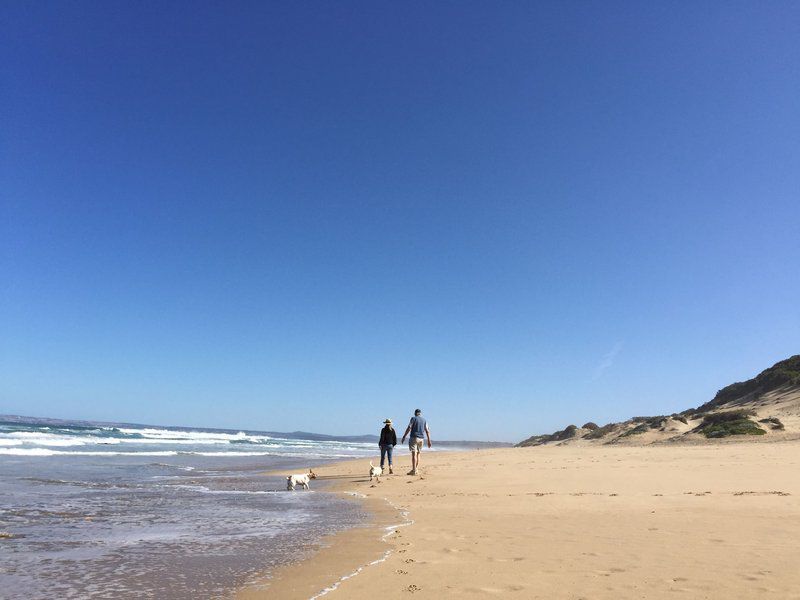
{"x": 610, "y": 572}
{"x": 401, "y": 572}
{"x": 413, "y": 588}
{"x": 495, "y": 591}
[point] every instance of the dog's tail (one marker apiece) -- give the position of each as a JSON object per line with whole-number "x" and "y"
{"x": 371, "y": 465}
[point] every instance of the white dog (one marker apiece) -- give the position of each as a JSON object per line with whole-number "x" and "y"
{"x": 293, "y": 480}
{"x": 375, "y": 472}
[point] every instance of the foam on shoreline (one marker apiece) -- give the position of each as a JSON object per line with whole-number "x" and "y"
{"x": 390, "y": 531}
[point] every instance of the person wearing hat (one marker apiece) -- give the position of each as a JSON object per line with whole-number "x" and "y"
{"x": 387, "y": 442}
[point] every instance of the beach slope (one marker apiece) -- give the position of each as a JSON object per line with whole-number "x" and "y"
{"x": 712, "y": 521}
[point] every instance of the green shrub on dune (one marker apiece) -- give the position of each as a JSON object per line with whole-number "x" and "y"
{"x": 724, "y": 424}
{"x": 570, "y": 431}
{"x": 639, "y": 429}
{"x": 600, "y": 432}
{"x": 773, "y": 422}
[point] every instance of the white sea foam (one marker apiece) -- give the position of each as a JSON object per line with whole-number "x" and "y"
{"x": 55, "y": 439}
{"x": 48, "y": 439}
{"x": 46, "y": 452}
{"x": 197, "y": 437}
{"x": 151, "y": 441}
{"x": 389, "y": 531}
{"x": 204, "y": 490}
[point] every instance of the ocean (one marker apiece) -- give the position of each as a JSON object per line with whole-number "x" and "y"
{"x": 147, "y": 512}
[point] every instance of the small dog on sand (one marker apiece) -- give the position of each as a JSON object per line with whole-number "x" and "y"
{"x": 293, "y": 480}
{"x": 375, "y": 472}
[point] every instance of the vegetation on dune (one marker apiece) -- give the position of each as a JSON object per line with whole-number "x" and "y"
{"x": 590, "y": 426}
{"x": 600, "y": 432}
{"x": 773, "y": 422}
{"x": 645, "y": 424}
{"x": 723, "y": 417}
{"x": 724, "y": 424}
{"x": 534, "y": 440}
{"x": 781, "y": 373}
{"x": 653, "y": 422}
{"x": 728, "y": 428}
{"x": 639, "y": 429}
{"x": 568, "y": 432}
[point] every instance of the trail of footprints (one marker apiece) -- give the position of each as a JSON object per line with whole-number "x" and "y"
{"x": 411, "y": 588}
{"x": 614, "y": 494}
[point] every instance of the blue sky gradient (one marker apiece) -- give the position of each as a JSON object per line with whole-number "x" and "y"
{"x": 314, "y": 215}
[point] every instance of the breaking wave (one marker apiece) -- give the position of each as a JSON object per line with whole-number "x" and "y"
{"x": 34, "y": 440}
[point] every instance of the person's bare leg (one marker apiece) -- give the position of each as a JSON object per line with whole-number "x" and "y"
{"x": 414, "y": 456}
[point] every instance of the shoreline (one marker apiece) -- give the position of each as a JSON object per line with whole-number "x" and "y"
{"x": 339, "y": 556}
{"x": 602, "y": 522}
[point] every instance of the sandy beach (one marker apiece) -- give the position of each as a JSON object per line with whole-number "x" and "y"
{"x": 696, "y": 521}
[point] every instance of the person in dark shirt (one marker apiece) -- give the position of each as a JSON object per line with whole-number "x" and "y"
{"x": 387, "y": 442}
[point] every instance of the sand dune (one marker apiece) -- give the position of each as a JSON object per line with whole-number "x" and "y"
{"x": 767, "y": 405}
{"x": 711, "y": 521}
{"x": 774, "y": 415}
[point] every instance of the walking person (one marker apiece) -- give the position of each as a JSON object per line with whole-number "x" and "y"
{"x": 418, "y": 428}
{"x": 387, "y": 443}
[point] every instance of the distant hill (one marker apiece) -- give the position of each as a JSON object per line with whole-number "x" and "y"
{"x": 766, "y": 405}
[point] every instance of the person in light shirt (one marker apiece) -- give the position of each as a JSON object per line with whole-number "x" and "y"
{"x": 418, "y": 430}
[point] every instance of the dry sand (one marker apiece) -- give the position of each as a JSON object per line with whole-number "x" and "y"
{"x": 593, "y": 522}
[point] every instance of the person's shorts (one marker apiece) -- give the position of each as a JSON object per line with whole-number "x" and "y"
{"x": 415, "y": 445}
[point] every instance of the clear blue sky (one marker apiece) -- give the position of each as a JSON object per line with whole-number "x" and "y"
{"x": 299, "y": 215}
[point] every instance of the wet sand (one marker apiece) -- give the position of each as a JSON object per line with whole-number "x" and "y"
{"x": 711, "y": 521}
